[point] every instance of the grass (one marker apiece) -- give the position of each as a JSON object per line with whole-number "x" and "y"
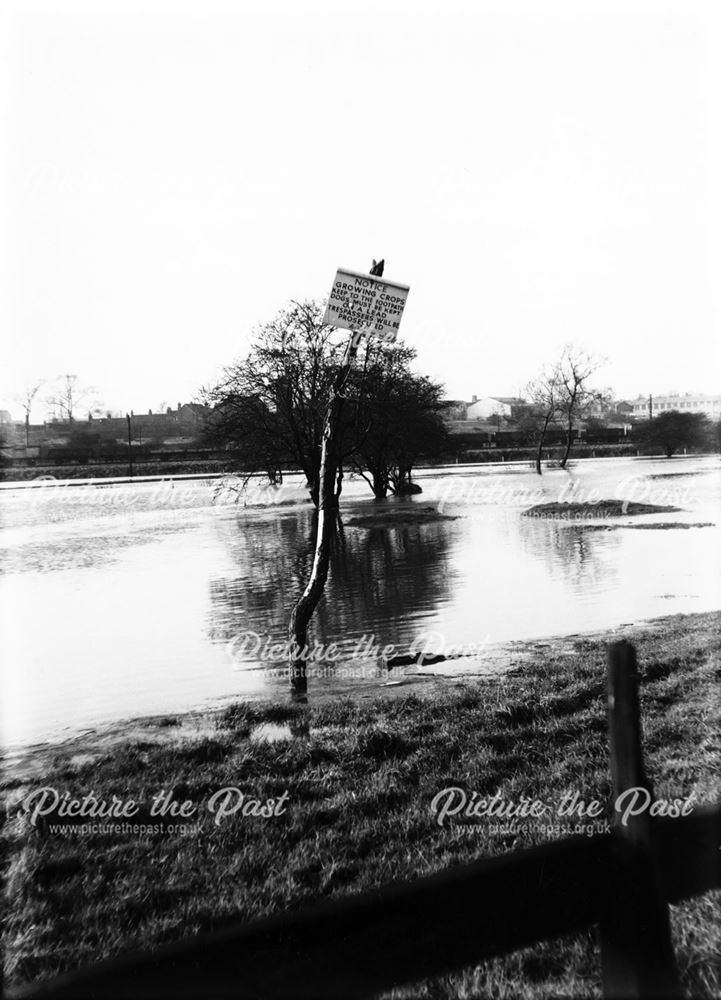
{"x": 360, "y": 777}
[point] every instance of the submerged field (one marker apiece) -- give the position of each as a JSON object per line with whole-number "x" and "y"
{"x": 360, "y": 778}
{"x": 459, "y": 566}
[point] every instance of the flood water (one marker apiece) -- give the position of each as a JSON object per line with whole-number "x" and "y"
{"x": 135, "y": 599}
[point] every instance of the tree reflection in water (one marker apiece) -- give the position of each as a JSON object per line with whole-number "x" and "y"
{"x": 379, "y": 578}
{"x": 575, "y": 552}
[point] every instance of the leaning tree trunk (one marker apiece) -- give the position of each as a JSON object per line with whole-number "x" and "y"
{"x": 327, "y": 516}
{"x": 569, "y": 442}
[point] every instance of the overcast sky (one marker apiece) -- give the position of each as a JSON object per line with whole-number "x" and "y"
{"x": 537, "y": 172}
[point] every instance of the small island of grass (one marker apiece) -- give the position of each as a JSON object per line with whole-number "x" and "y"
{"x": 397, "y": 515}
{"x": 603, "y": 508}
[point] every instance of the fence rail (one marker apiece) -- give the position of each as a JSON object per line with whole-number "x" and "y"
{"x": 361, "y": 945}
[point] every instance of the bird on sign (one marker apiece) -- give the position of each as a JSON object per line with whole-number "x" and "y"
{"x": 377, "y": 268}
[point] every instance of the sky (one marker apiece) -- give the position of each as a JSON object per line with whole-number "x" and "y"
{"x": 173, "y": 173}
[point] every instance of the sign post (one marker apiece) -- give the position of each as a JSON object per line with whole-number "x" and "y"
{"x": 367, "y": 306}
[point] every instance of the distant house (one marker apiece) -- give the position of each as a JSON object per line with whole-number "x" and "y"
{"x": 193, "y": 413}
{"x": 488, "y": 406}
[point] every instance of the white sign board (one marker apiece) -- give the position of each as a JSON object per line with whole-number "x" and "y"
{"x": 366, "y": 304}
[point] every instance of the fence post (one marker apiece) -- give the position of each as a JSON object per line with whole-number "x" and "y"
{"x": 636, "y": 951}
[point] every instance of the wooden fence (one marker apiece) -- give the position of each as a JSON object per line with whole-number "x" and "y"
{"x": 362, "y": 945}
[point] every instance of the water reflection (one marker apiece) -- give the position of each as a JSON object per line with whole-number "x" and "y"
{"x": 580, "y": 557}
{"x": 273, "y": 557}
{"x": 378, "y": 579}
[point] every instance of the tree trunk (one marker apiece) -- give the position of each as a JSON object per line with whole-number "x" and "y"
{"x": 380, "y": 485}
{"x": 569, "y": 441}
{"x": 539, "y": 453}
{"x": 327, "y": 515}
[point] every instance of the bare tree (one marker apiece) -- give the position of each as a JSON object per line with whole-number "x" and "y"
{"x": 26, "y": 399}
{"x": 544, "y": 396}
{"x": 270, "y": 407}
{"x": 572, "y": 374}
{"x": 68, "y": 396}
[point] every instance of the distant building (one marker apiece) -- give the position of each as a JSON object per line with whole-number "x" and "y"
{"x": 488, "y": 406}
{"x": 687, "y": 403}
{"x": 175, "y": 428}
{"x": 193, "y": 413}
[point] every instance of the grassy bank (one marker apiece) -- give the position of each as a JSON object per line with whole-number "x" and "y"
{"x": 360, "y": 778}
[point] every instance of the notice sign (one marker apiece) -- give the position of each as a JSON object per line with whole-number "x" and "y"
{"x": 366, "y": 304}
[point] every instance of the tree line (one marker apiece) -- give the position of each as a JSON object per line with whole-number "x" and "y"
{"x": 268, "y": 409}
